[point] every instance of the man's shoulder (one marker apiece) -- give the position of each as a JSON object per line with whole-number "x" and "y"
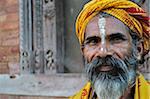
{"x": 142, "y": 89}
{"x": 83, "y": 93}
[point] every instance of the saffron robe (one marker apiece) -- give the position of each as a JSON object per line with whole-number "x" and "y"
{"x": 142, "y": 90}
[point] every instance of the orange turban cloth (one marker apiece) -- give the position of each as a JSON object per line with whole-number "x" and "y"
{"x": 126, "y": 11}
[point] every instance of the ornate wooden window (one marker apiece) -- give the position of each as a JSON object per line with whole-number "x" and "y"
{"x": 41, "y": 41}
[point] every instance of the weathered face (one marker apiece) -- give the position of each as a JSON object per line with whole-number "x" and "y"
{"x": 110, "y": 57}
{"x": 113, "y": 40}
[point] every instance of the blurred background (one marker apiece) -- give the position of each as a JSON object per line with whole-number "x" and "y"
{"x": 38, "y": 37}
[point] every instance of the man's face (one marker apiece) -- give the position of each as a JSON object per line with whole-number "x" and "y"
{"x": 117, "y": 39}
{"x": 109, "y": 56}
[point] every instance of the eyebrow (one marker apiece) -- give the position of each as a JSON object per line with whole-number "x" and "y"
{"x": 91, "y": 37}
{"x": 117, "y": 35}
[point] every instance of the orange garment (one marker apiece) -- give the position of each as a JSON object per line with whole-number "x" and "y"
{"x": 142, "y": 90}
{"x": 126, "y": 11}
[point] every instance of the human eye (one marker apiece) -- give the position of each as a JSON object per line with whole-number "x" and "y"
{"x": 92, "y": 41}
{"x": 117, "y": 40}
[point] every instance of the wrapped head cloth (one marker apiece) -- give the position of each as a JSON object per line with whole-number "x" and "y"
{"x": 126, "y": 11}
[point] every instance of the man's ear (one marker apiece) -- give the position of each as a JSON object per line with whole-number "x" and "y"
{"x": 140, "y": 49}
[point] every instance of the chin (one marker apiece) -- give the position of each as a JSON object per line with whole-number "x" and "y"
{"x": 109, "y": 89}
{"x": 113, "y": 87}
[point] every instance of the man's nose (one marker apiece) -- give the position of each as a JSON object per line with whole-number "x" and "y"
{"x": 104, "y": 50}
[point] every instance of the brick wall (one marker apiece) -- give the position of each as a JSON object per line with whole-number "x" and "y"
{"x": 9, "y": 34}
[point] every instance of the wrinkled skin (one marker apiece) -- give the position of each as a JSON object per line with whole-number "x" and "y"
{"x": 116, "y": 47}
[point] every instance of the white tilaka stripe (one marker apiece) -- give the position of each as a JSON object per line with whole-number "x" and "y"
{"x": 101, "y": 24}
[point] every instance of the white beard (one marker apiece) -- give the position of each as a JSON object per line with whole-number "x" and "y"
{"x": 112, "y": 89}
{"x": 108, "y": 89}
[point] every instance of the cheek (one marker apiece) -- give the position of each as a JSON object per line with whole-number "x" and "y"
{"x": 122, "y": 50}
{"x": 89, "y": 54}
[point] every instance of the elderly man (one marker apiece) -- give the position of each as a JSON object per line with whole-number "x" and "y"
{"x": 114, "y": 35}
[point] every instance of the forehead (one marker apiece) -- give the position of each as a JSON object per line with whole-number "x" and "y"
{"x": 112, "y": 25}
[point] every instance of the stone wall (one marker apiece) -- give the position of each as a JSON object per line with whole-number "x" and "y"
{"x": 9, "y": 34}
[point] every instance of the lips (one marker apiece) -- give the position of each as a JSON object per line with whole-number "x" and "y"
{"x": 105, "y": 68}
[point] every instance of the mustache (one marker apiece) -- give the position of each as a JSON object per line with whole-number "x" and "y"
{"x": 117, "y": 64}
{"x": 114, "y": 62}
{"x": 108, "y": 60}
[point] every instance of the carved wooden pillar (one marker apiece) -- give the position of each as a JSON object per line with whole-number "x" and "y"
{"x": 49, "y": 33}
{"x": 38, "y": 47}
{"x": 26, "y": 56}
{"x": 53, "y": 35}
